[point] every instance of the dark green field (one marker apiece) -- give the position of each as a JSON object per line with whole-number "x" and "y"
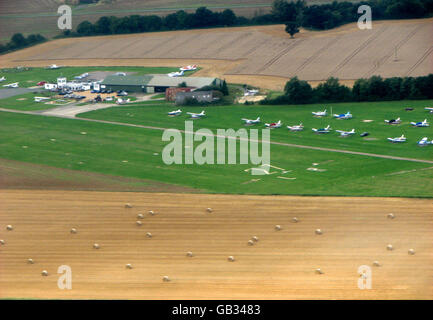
{"x": 106, "y": 147}
{"x": 29, "y": 78}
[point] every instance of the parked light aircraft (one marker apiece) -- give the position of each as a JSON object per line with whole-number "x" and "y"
{"x": 427, "y": 108}
{"x": 82, "y": 76}
{"x": 175, "y": 112}
{"x": 299, "y": 127}
{"x": 343, "y": 116}
{"x": 320, "y": 113}
{"x": 196, "y": 115}
{"x": 39, "y": 99}
{"x": 11, "y": 85}
{"x": 2, "y": 79}
{"x": 345, "y": 133}
{"x": 189, "y": 68}
{"x": 251, "y": 92}
{"x": 424, "y": 142}
{"x": 176, "y": 74}
{"x": 398, "y": 139}
{"x": 250, "y": 122}
{"x": 122, "y": 101}
{"x": 420, "y": 124}
{"x": 393, "y": 121}
{"x": 274, "y": 125}
{"x": 323, "y": 130}
{"x": 53, "y": 66}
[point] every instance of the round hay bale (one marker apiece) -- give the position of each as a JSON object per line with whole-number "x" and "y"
{"x": 209, "y": 210}
{"x": 390, "y": 247}
{"x": 189, "y": 254}
{"x": 148, "y": 234}
{"x": 231, "y": 259}
{"x": 44, "y": 273}
{"x": 140, "y": 216}
{"x": 319, "y": 231}
{"x": 9, "y": 227}
{"x": 255, "y": 239}
{"x": 128, "y": 205}
{"x": 74, "y": 231}
{"x": 165, "y": 279}
{"x": 411, "y": 252}
{"x": 250, "y": 242}
{"x": 2, "y": 242}
{"x": 96, "y": 246}
{"x": 152, "y": 213}
{"x": 319, "y": 271}
{"x": 139, "y": 223}
{"x": 128, "y": 266}
{"x": 294, "y": 220}
{"x": 30, "y": 261}
{"x": 391, "y": 216}
{"x": 376, "y": 263}
{"x": 278, "y": 227}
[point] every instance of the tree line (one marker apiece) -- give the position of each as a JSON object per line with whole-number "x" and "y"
{"x": 294, "y": 14}
{"x": 18, "y": 41}
{"x": 374, "y": 88}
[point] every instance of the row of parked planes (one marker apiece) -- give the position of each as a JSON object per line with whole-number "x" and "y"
{"x": 423, "y": 142}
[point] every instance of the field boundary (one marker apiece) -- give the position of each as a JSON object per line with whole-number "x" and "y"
{"x": 290, "y": 145}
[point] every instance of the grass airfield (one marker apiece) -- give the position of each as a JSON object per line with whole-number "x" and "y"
{"x": 136, "y": 152}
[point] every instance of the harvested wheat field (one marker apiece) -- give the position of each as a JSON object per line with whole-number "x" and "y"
{"x": 190, "y": 245}
{"x": 260, "y": 55}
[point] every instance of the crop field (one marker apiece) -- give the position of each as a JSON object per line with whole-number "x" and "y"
{"x": 391, "y": 48}
{"x": 281, "y": 265}
{"x": 135, "y": 152}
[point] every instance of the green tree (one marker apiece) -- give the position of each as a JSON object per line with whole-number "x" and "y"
{"x": 224, "y": 88}
{"x": 292, "y": 28}
{"x": 298, "y": 91}
{"x": 18, "y": 40}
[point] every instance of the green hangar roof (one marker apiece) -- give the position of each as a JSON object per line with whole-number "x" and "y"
{"x": 159, "y": 81}
{"x": 127, "y": 80}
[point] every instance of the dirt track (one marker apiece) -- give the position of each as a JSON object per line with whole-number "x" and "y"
{"x": 281, "y": 265}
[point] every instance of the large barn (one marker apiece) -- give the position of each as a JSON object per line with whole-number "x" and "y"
{"x": 154, "y": 83}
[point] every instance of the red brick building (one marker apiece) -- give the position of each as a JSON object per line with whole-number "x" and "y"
{"x": 170, "y": 93}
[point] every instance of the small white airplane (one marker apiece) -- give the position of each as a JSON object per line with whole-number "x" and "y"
{"x": 39, "y": 99}
{"x": 122, "y": 101}
{"x": 343, "y": 116}
{"x": 345, "y": 133}
{"x": 299, "y": 127}
{"x": 274, "y": 125}
{"x": 11, "y": 85}
{"x": 2, "y": 79}
{"x": 122, "y": 74}
{"x": 427, "y": 108}
{"x": 82, "y": 76}
{"x": 398, "y": 139}
{"x": 251, "y": 92}
{"x": 176, "y": 74}
{"x": 53, "y": 66}
{"x": 251, "y": 122}
{"x": 420, "y": 124}
{"x": 175, "y": 113}
{"x": 323, "y": 130}
{"x": 393, "y": 121}
{"x": 424, "y": 142}
{"x": 196, "y": 115}
{"x": 320, "y": 113}
{"x": 189, "y": 68}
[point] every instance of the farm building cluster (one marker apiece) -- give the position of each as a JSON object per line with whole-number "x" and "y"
{"x": 178, "y": 89}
